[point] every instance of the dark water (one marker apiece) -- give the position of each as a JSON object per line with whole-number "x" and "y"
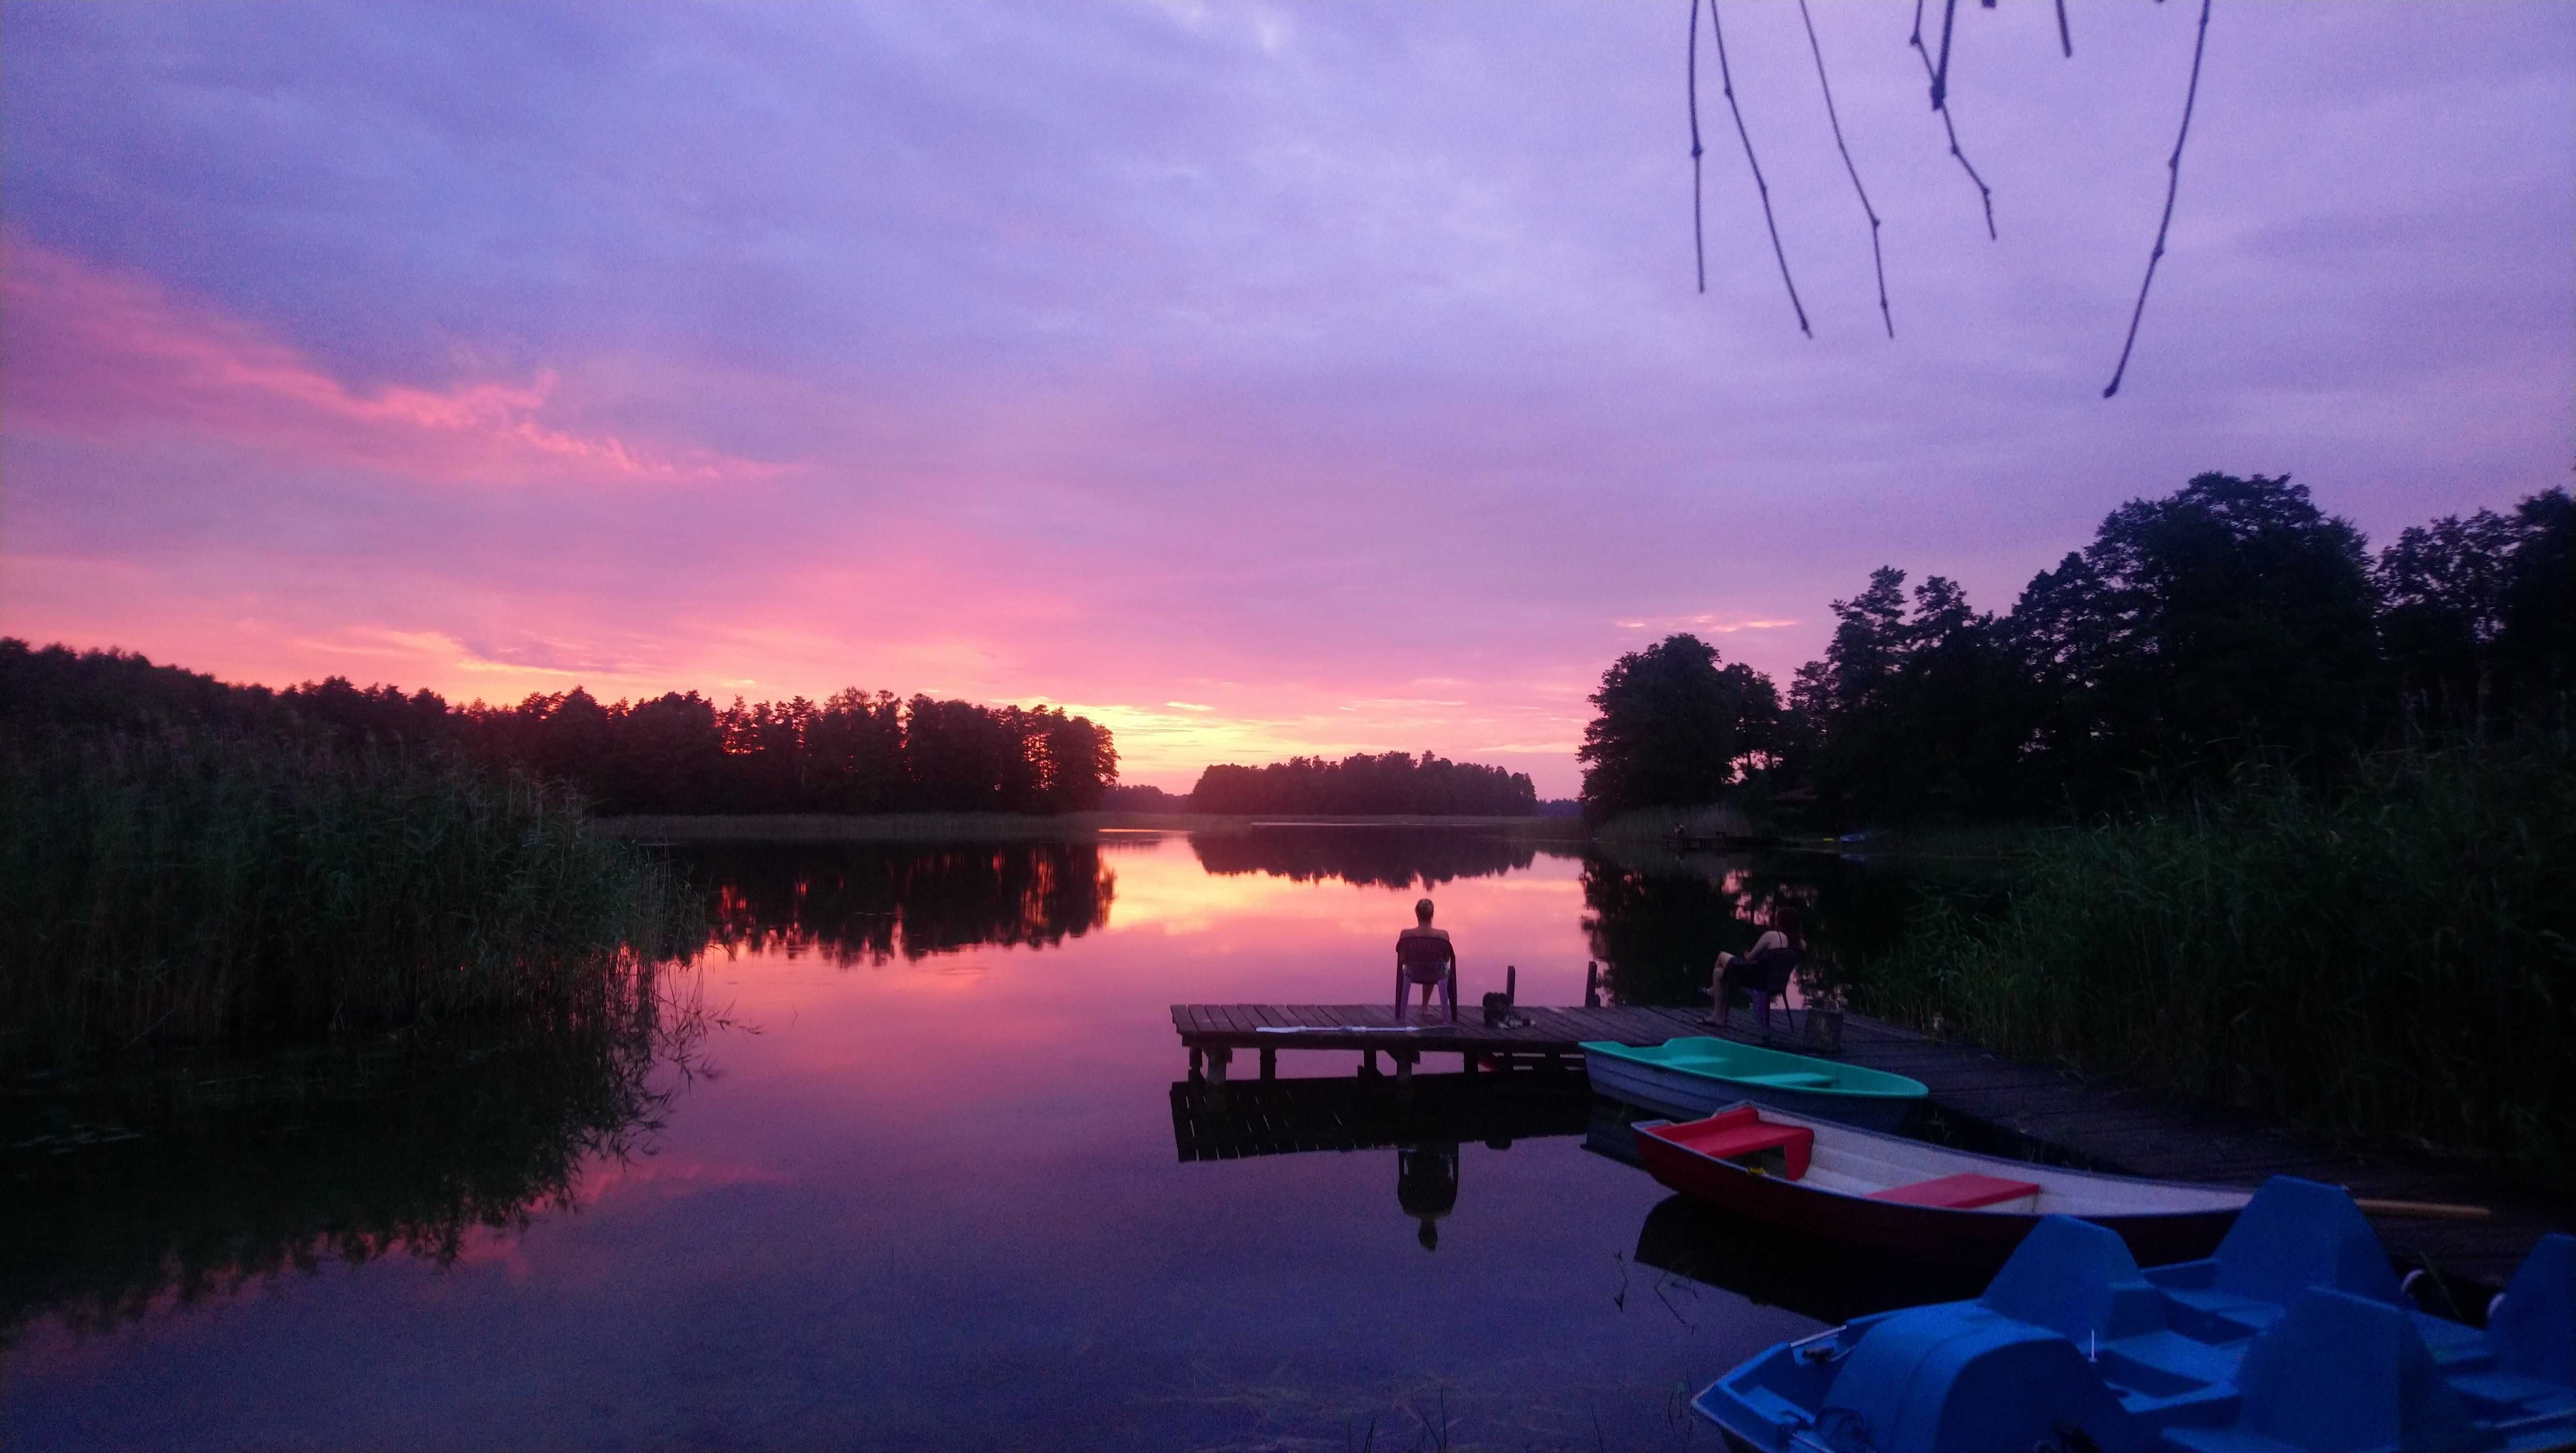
{"x": 909, "y": 1179}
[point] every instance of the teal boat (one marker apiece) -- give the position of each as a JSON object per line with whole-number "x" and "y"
{"x": 1687, "y": 1079}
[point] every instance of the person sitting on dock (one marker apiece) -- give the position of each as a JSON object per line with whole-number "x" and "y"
{"x": 1423, "y": 956}
{"x": 1753, "y": 971}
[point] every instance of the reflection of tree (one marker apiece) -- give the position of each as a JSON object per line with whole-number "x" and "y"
{"x": 1370, "y": 857}
{"x": 1658, "y": 921}
{"x": 868, "y": 904}
{"x": 118, "y": 1195}
{"x": 1658, "y": 935}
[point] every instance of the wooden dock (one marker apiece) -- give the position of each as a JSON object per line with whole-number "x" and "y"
{"x": 1984, "y": 1101}
{"x": 1213, "y": 1032}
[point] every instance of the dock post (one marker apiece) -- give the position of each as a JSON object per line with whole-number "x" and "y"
{"x": 1198, "y": 1062}
{"x": 1404, "y": 1059}
{"x": 1269, "y": 1064}
{"x": 1368, "y": 1062}
{"x": 1591, "y": 984}
{"x": 1217, "y": 1060}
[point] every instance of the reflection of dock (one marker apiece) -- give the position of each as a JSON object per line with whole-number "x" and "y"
{"x": 1357, "y": 1112}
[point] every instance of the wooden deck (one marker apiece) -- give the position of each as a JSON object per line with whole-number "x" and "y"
{"x": 1982, "y": 1100}
{"x": 1212, "y": 1032}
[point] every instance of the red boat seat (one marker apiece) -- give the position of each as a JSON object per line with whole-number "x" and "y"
{"x": 1965, "y": 1191}
{"x": 1742, "y": 1134}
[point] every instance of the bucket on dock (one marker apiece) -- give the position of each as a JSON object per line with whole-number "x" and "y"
{"x": 1822, "y": 1029}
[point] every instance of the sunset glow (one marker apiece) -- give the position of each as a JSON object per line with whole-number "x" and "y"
{"x": 1255, "y": 382}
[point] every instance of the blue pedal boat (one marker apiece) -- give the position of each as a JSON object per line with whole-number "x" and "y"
{"x": 2293, "y": 1338}
{"x": 1695, "y": 1076}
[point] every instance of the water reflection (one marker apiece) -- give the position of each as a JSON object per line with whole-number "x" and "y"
{"x": 920, "y": 1211}
{"x": 1402, "y": 858}
{"x": 867, "y": 904}
{"x": 1426, "y": 1186}
{"x": 1829, "y": 1281}
{"x": 1657, "y": 920}
{"x": 124, "y": 1195}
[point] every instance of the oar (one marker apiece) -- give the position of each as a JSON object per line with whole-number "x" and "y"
{"x": 2422, "y": 1210}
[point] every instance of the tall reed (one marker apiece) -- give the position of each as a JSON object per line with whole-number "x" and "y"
{"x": 2394, "y": 956}
{"x": 196, "y": 888}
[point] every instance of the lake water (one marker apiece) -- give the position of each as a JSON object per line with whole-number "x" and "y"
{"x": 918, "y": 1187}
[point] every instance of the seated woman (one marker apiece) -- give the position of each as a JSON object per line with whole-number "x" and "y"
{"x": 1423, "y": 956}
{"x": 1752, "y": 971}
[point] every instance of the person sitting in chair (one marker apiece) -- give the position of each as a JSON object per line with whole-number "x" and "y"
{"x": 1753, "y": 971}
{"x": 1423, "y": 956}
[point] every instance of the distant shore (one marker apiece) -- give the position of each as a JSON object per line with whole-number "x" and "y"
{"x": 1014, "y": 826}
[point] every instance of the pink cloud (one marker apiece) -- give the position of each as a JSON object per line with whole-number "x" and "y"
{"x": 100, "y": 355}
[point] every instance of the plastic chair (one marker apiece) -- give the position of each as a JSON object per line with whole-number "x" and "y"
{"x": 1765, "y": 976}
{"x": 1417, "y": 960}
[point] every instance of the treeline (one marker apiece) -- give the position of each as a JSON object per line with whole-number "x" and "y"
{"x": 1396, "y": 782}
{"x": 679, "y": 752}
{"x": 2231, "y": 620}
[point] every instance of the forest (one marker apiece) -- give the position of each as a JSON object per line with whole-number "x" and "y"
{"x": 2231, "y": 621}
{"x": 677, "y": 753}
{"x": 1395, "y": 782}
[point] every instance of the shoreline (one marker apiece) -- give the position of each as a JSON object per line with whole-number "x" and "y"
{"x": 677, "y": 828}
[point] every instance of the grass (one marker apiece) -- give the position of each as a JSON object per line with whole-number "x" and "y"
{"x": 2395, "y": 956}
{"x": 191, "y": 889}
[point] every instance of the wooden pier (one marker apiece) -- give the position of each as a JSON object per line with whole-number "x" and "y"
{"x": 1213, "y": 1032}
{"x": 1984, "y": 1101}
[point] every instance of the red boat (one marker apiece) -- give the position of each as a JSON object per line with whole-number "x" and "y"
{"x": 1883, "y": 1191}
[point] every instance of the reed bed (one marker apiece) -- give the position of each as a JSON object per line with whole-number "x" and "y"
{"x": 2392, "y": 956}
{"x": 189, "y": 888}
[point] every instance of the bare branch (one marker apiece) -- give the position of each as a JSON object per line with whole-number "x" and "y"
{"x": 1876, "y": 258}
{"x": 1699, "y": 243}
{"x": 1985, "y": 194}
{"x": 1726, "y": 78}
{"x": 1941, "y": 76}
{"x": 2173, "y": 185}
{"x": 2065, "y": 41}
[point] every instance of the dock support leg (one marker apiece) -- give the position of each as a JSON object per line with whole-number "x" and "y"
{"x": 1217, "y": 1060}
{"x": 1198, "y": 1062}
{"x": 1404, "y": 1059}
{"x": 1270, "y": 1064}
{"x": 1368, "y": 1062}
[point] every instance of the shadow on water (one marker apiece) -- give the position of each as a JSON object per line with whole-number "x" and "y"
{"x": 187, "y": 1183}
{"x": 1829, "y": 1281}
{"x": 1402, "y": 858}
{"x": 865, "y": 904}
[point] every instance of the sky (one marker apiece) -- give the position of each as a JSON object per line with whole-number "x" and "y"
{"x": 1255, "y": 379}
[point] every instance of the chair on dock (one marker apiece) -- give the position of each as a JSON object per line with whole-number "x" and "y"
{"x": 1423, "y": 959}
{"x": 1765, "y": 976}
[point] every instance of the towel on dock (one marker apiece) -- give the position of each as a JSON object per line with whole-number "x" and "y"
{"x": 1339, "y": 1029}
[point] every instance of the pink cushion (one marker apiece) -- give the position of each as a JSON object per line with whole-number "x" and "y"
{"x": 1965, "y": 1191}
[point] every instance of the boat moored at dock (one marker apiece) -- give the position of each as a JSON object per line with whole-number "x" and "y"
{"x": 1893, "y": 1194}
{"x": 1696, "y": 1075}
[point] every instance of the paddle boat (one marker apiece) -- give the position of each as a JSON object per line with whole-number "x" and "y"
{"x": 1691, "y": 1077}
{"x": 1893, "y": 1194}
{"x": 2294, "y": 1337}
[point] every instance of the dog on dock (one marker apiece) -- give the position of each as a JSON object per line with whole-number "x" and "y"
{"x": 1499, "y": 1013}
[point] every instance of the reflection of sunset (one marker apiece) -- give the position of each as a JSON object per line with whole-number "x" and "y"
{"x": 953, "y": 1044}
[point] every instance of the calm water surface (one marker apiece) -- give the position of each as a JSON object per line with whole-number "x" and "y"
{"x": 920, "y": 1189}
